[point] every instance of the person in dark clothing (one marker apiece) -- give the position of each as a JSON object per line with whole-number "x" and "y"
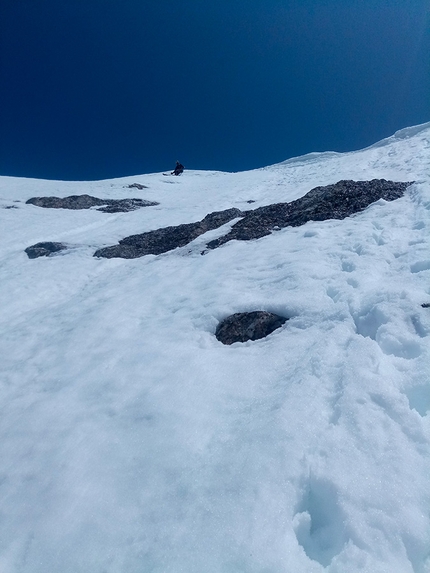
{"x": 178, "y": 169}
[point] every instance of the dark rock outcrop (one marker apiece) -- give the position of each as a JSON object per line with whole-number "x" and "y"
{"x": 87, "y": 201}
{"x": 44, "y": 249}
{"x": 125, "y": 205}
{"x": 321, "y": 203}
{"x": 244, "y": 326}
{"x": 137, "y": 186}
{"x": 426, "y": 305}
{"x": 167, "y": 238}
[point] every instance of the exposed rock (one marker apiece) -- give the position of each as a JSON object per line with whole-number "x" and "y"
{"x": 244, "y": 326}
{"x": 87, "y": 201}
{"x": 44, "y": 249}
{"x": 321, "y": 203}
{"x": 426, "y": 305}
{"x": 137, "y": 186}
{"x": 330, "y": 202}
{"x": 125, "y": 205}
{"x": 167, "y": 238}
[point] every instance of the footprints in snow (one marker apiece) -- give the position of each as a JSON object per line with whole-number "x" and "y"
{"x": 394, "y": 337}
{"x": 319, "y": 522}
{"x": 348, "y": 266}
{"x": 368, "y": 322}
{"x": 374, "y": 322}
{"x": 420, "y": 266}
{"x": 419, "y": 398}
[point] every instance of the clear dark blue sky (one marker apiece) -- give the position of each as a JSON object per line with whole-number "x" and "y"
{"x": 92, "y": 89}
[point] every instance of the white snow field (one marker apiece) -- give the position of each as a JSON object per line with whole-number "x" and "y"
{"x": 132, "y": 441}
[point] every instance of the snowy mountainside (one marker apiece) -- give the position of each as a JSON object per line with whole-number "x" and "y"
{"x": 133, "y": 441}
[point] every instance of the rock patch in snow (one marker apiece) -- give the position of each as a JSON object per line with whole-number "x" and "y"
{"x": 244, "y": 326}
{"x": 167, "y": 238}
{"x": 44, "y": 249}
{"x": 137, "y": 186}
{"x": 336, "y": 201}
{"x": 87, "y": 201}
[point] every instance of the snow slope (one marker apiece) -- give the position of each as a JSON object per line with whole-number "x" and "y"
{"x": 132, "y": 441}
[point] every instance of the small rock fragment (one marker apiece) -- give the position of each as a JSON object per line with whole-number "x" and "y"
{"x": 137, "y": 186}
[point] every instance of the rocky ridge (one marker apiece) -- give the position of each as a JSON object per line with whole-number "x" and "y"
{"x": 168, "y": 238}
{"x": 336, "y": 201}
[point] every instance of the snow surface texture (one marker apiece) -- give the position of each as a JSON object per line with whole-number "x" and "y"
{"x": 134, "y": 441}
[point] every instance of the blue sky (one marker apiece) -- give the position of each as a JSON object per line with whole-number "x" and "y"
{"x": 102, "y": 88}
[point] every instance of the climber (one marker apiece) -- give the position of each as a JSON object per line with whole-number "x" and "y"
{"x": 178, "y": 169}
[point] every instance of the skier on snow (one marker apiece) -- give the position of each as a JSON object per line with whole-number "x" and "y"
{"x": 178, "y": 169}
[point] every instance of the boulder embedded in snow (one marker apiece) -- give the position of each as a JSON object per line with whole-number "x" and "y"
{"x": 87, "y": 201}
{"x": 336, "y": 201}
{"x": 168, "y": 238}
{"x": 243, "y": 326}
{"x": 44, "y": 249}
